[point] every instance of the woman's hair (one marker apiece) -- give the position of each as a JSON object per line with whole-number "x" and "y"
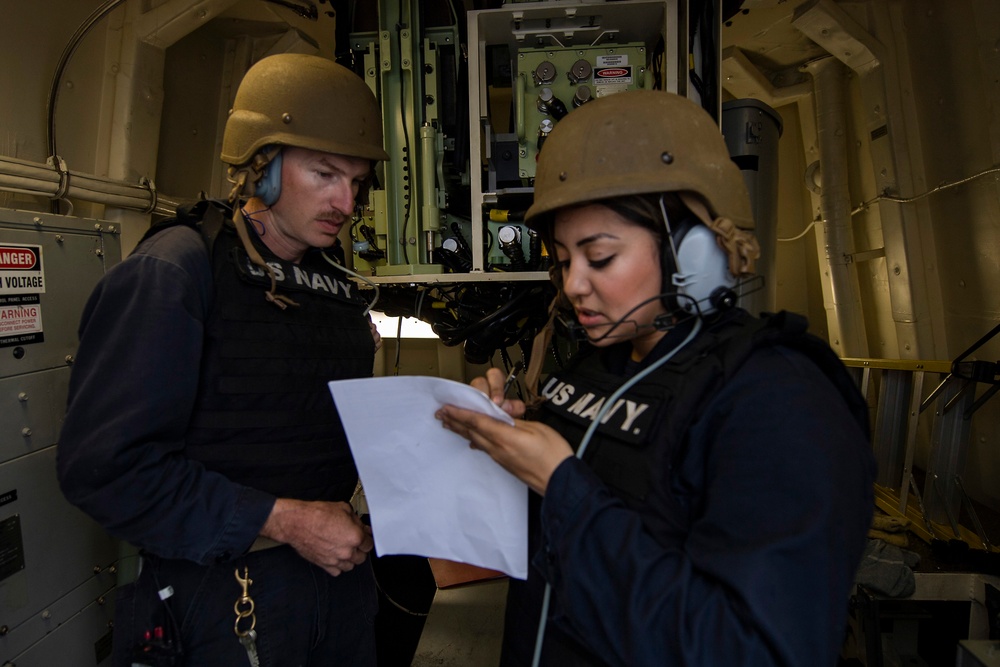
{"x": 643, "y": 210}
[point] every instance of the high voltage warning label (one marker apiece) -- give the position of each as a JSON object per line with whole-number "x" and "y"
{"x": 21, "y": 269}
{"x": 22, "y": 279}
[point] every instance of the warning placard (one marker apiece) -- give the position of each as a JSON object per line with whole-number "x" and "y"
{"x": 21, "y": 269}
{"x": 20, "y": 320}
{"x": 612, "y": 75}
{"x": 22, "y": 280}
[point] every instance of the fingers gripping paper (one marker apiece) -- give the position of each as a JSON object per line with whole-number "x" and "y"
{"x": 429, "y": 494}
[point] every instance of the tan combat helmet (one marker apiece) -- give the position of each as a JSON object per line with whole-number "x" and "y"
{"x": 294, "y": 99}
{"x": 644, "y": 142}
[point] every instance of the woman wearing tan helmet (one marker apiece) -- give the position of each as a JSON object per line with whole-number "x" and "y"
{"x": 702, "y": 478}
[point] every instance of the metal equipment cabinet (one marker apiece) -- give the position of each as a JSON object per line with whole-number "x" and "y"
{"x": 57, "y": 567}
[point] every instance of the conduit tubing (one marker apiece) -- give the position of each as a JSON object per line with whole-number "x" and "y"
{"x": 44, "y": 180}
{"x": 835, "y": 205}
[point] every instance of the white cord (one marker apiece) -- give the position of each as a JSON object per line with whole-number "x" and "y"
{"x": 628, "y": 384}
{"x": 356, "y": 275}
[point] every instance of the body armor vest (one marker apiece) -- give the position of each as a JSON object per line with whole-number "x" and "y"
{"x": 264, "y": 416}
{"x": 640, "y": 448}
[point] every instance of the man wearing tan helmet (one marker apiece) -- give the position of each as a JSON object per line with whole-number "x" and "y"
{"x": 199, "y": 425}
{"x": 702, "y": 478}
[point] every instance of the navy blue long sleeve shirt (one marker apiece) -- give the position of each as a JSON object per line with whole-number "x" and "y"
{"x": 132, "y": 390}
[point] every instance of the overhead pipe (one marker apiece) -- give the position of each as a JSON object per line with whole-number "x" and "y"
{"x": 55, "y": 181}
{"x": 829, "y": 76}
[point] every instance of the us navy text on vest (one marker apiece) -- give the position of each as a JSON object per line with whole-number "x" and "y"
{"x": 301, "y": 278}
{"x": 589, "y": 405}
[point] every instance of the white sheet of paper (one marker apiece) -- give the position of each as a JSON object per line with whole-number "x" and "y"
{"x": 428, "y": 492}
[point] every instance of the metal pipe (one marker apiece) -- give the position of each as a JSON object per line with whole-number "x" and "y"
{"x": 829, "y": 75}
{"x": 50, "y": 181}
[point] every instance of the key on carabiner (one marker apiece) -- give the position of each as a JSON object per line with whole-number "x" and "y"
{"x": 251, "y": 647}
{"x": 244, "y": 608}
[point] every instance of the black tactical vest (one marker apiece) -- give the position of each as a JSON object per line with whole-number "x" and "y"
{"x": 640, "y": 448}
{"x": 264, "y": 416}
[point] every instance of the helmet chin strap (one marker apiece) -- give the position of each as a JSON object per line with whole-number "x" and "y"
{"x": 239, "y": 220}
{"x": 244, "y": 183}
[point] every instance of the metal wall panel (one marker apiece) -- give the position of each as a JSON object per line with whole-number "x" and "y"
{"x": 57, "y": 567}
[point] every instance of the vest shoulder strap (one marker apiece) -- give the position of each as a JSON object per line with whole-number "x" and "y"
{"x": 207, "y": 216}
{"x": 789, "y": 330}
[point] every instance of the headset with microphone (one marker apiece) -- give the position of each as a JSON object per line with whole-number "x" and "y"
{"x": 696, "y": 279}
{"x": 700, "y": 270}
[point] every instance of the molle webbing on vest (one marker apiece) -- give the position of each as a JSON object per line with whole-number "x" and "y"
{"x": 264, "y": 416}
{"x": 646, "y": 433}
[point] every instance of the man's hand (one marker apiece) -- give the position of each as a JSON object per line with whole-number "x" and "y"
{"x": 326, "y": 534}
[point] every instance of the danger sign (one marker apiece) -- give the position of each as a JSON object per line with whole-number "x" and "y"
{"x": 22, "y": 281}
{"x": 21, "y": 269}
